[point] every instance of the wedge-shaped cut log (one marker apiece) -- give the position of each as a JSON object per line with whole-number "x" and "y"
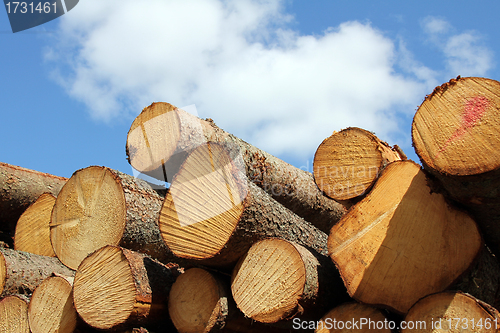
{"x": 14, "y": 314}
{"x": 402, "y": 242}
{"x": 213, "y": 214}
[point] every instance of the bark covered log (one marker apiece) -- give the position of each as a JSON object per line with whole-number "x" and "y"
{"x": 118, "y": 288}
{"x": 347, "y": 164}
{"x": 14, "y": 314}
{"x": 51, "y": 308}
{"x": 402, "y": 242}
{"x": 99, "y": 206}
{"x": 213, "y": 214}
{"x": 452, "y": 312}
{"x": 22, "y": 272}
{"x": 19, "y": 188}
{"x": 278, "y": 280}
{"x": 162, "y": 136}
{"x": 455, "y": 134}
{"x": 33, "y": 227}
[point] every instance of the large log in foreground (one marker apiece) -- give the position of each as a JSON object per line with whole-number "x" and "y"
{"x": 212, "y": 213}
{"x": 162, "y": 136}
{"x": 279, "y": 280}
{"x": 402, "y": 242}
{"x": 455, "y": 134}
{"x": 19, "y": 188}
{"x": 115, "y": 288}
{"x": 99, "y": 206}
{"x": 22, "y": 272}
{"x": 348, "y": 163}
{"x": 452, "y": 312}
{"x": 33, "y": 227}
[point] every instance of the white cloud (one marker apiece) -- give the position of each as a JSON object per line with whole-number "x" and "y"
{"x": 243, "y": 67}
{"x": 465, "y": 53}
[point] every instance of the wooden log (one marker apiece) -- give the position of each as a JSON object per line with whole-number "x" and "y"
{"x": 19, "y": 188}
{"x": 14, "y": 314}
{"x": 51, "y": 308}
{"x": 354, "y": 317}
{"x": 99, "y": 206}
{"x": 213, "y": 214}
{"x": 278, "y": 280}
{"x": 402, "y": 242}
{"x": 33, "y": 227}
{"x": 455, "y": 134}
{"x": 347, "y": 164}
{"x": 118, "y": 288}
{"x": 451, "y": 312}
{"x": 162, "y": 136}
{"x": 201, "y": 301}
{"x": 22, "y": 272}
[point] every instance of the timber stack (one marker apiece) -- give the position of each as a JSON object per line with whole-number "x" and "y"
{"x": 241, "y": 241}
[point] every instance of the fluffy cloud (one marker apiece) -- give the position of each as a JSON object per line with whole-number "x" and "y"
{"x": 243, "y": 67}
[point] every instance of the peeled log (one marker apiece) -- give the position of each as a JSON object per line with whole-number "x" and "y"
{"x": 402, "y": 242}
{"x": 51, "y": 308}
{"x": 456, "y": 136}
{"x": 348, "y": 163}
{"x": 19, "y": 188}
{"x": 452, "y": 312}
{"x": 14, "y": 314}
{"x": 22, "y": 272}
{"x": 33, "y": 227}
{"x": 279, "y": 280}
{"x": 118, "y": 288}
{"x": 343, "y": 317}
{"x": 213, "y": 214}
{"x": 162, "y": 136}
{"x": 99, "y": 206}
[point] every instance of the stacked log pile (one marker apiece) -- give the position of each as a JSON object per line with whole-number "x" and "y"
{"x": 241, "y": 241}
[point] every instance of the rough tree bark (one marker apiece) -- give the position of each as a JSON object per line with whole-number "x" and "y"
{"x": 162, "y": 136}
{"x": 213, "y": 214}
{"x": 19, "y": 188}
{"x": 455, "y": 134}
{"x": 22, "y": 272}
{"x": 402, "y": 242}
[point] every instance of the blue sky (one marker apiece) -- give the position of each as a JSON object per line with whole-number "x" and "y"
{"x": 283, "y": 75}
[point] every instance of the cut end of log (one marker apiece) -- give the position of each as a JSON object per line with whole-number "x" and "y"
{"x": 452, "y": 312}
{"x": 348, "y": 163}
{"x": 269, "y": 281}
{"x": 204, "y": 203}
{"x": 401, "y": 242}
{"x": 3, "y": 272}
{"x": 152, "y": 139}
{"x": 344, "y": 315}
{"x": 455, "y": 129}
{"x": 14, "y": 315}
{"x": 195, "y": 303}
{"x": 51, "y": 307}
{"x": 32, "y": 229}
{"x": 89, "y": 213}
{"x": 104, "y": 289}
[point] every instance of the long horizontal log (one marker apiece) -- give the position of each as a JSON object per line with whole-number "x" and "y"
{"x": 19, "y": 188}
{"x": 162, "y": 136}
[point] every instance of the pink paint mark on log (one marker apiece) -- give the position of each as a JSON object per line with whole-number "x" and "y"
{"x": 474, "y": 110}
